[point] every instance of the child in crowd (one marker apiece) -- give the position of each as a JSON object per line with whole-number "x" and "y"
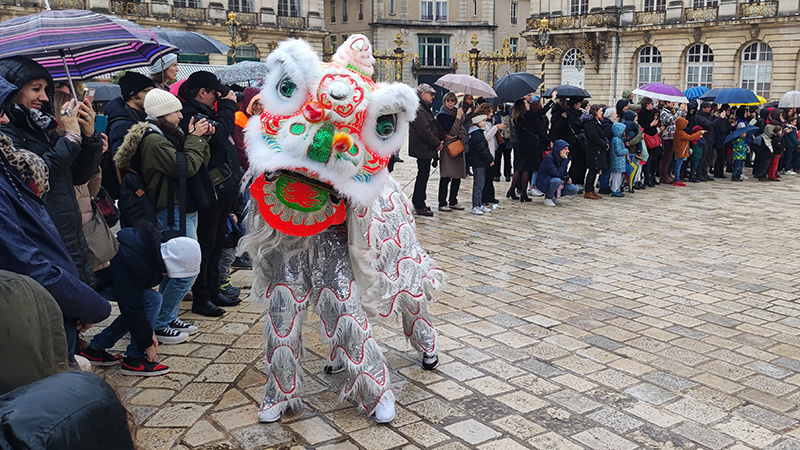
{"x": 696, "y": 152}
{"x": 618, "y": 159}
{"x": 773, "y": 138}
{"x": 739, "y": 154}
{"x": 479, "y": 157}
{"x": 680, "y": 145}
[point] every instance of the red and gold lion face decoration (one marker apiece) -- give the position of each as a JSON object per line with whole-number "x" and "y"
{"x": 325, "y": 136}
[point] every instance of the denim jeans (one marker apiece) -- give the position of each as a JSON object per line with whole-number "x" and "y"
{"x": 555, "y": 183}
{"x": 478, "y": 181}
{"x": 604, "y": 179}
{"x": 151, "y": 303}
{"x": 694, "y": 164}
{"x": 191, "y": 222}
{"x": 174, "y": 289}
{"x": 738, "y": 166}
{"x": 678, "y": 164}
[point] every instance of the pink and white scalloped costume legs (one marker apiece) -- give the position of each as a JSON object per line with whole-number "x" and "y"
{"x": 315, "y": 272}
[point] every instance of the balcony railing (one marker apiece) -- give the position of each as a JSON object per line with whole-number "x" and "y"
{"x": 650, "y": 17}
{"x": 435, "y": 63}
{"x": 297, "y": 23}
{"x": 182, "y": 13}
{"x": 758, "y": 9}
{"x": 706, "y": 14}
{"x": 246, "y": 18}
{"x": 130, "y": 8}
{"x": 605, "y": 19}
{"x": 432, "y": 18}
{"x": 65, "y": 4}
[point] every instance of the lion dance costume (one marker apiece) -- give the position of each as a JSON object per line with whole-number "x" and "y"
{"x": 328, "y": 228}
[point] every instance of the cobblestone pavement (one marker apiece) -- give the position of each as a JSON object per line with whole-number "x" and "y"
{"x": 667, "y": 319}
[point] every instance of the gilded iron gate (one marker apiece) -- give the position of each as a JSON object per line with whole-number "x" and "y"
{"x": 488, "y": 67}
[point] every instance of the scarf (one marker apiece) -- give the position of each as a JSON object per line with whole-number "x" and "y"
{"x": 31, "y": 167}
{"x": 41, "y": 120}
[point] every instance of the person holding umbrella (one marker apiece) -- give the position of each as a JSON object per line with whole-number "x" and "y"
{"x": 71, "y": 159}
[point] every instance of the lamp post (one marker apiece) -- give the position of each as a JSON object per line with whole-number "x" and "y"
{"x": 544, "y": 49}
{"x": 233, "y": 32}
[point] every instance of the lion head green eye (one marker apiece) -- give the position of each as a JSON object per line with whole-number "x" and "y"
{"x": 286, "y": 87}
{"x": 386, "y": 125}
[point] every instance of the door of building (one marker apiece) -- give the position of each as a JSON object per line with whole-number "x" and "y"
{"x": 572, "y": 68}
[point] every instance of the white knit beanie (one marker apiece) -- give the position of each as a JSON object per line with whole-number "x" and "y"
{"x": 159, "y": 103}
{"x": 181, "y": 257}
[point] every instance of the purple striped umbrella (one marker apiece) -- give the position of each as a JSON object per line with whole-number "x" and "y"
{"x": 661, "y": 91}
{"x": 80, "y": 44}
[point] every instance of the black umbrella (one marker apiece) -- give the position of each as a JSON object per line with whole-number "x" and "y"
{"x": 514, "y": 86}
{"x": 568, "y": 91}
{"x": 191, "y": 41}
{"x": 710, "y": 95}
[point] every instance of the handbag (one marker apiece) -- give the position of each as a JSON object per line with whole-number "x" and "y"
{"x": 455, "y": 148}
{"x": 107, "y": 207}
{"x": 102, "y": 242}
{"x": 652, "y": 141}
{"x": 500, "y": 140}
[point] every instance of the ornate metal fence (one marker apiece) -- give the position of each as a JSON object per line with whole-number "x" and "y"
{"x": 488, "y": 67}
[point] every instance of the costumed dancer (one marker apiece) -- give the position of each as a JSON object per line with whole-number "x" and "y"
{"x": 328, "y": 229}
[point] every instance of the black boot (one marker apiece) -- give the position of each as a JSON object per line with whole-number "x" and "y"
{"x": 511, "y": 194}
{"x": 206, "y": 308}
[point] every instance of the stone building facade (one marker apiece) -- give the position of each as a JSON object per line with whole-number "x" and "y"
{"x": 607, "y": 47}
{"x": 434, "y": 35}
{"x": 262, "y": 23}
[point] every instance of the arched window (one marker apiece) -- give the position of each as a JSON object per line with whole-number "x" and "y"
{"x": 699, "y": 66}
{"x": 649, "y": 69}
{"x": 757, "y": 68}
{"x": 572, "y": 65}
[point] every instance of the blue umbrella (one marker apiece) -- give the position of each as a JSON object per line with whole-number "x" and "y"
{"x": 693, "y": 93}
{"x": 749, "y": 129}
{"x": 710, "y": 95}
{"x": 736, "y": 95}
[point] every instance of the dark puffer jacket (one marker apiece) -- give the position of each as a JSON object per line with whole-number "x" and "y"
{"x": 121, "y": 118}
{"x": 70, "y": 164}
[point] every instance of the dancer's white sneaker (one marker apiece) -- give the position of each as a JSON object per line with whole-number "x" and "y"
{"x": 384, "y": 411}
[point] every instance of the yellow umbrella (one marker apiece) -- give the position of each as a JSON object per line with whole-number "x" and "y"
{"x": 761, "y": 101}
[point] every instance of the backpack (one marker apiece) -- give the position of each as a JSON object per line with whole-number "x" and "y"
{"x": 134, "y": 205}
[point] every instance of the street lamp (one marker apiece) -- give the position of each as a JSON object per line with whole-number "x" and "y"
{"x": 543, "y": 48}
{"x": 233, "y": 32}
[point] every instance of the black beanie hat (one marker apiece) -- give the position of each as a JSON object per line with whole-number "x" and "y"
{"x": 132, "y": 83}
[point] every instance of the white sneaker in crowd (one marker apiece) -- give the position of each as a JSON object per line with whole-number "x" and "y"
{"x": 485, "y": 209}
{"x": 549, "y": 202}
{"x": 533, "y": 192}
{"x": 384, "y": 411}
{"x": 477, "y": 211}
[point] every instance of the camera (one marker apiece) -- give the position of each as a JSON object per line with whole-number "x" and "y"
{"x": 239, "y": 97}
{"x": 199, "y": 117}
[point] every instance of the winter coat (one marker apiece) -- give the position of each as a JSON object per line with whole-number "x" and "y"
{"x": 722, "y": 128}
{"x": 596, "y": 145}
{"x": 682, "y": 138}
{"x": 65, "y": 411}
{"x": 790, "y": 140}
{"x": 540, "y": 128}
{"x": 646, "y": 118}
{"x": 574, "y": 125}
{"x": 30, "y": 315}
{"x": 121, "y": 117}
{"x": 70, "y": 164}
{"x": 607, "y": 128}
{"x": 151, "y": 154}
{"x": 559, "y": 127}
{"x": 137, "y": 266}
{"x": 552, "y": 167}
{"x": 32, "y": 246}
{"x": 478, "y": 151}
{"x": 708, "y": 122}
{"x": 223, "y": 150}
{"x": 619, "y": 154}
{"x": 451, "y": 167}
{"x": 668, "y": 119}
{"x": 424, "y": 134}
